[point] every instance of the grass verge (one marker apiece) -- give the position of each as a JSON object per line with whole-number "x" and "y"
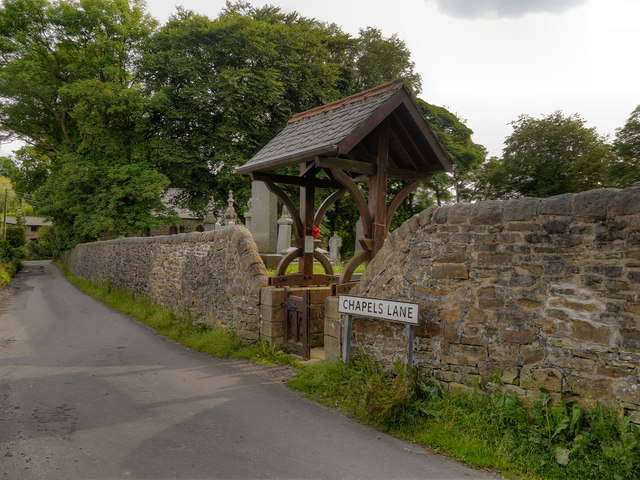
{"x": 491, "y": 431}
{"x": 197, "y": 336}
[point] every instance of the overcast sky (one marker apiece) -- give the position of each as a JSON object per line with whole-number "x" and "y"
{"x": 490, "y": 61}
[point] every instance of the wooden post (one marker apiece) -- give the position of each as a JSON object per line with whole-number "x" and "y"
{"x": 378, "y": 190}
{"x": 307, "y": 209}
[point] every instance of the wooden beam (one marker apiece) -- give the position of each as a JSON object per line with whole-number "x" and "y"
{"x": 291, "y": 180}
{"x": 378, "y": 189}
{"x": 354, "y": 166}
{"x": 404, "y": 149}
{"x": 398, "y": 198}
{"x": 357, "y": 196}
{"x": 408, "y": 139}
{"x": 330, "y": 200}
{"x": 286, "y": 201}
{"x": 352, "y": 264}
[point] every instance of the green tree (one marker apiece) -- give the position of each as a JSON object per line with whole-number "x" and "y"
{"x": 625, "y": 169}
{"x": 68, "y": 89}
{"x": 379, "y": 60}
{"x": 467, "y": 156}
{"x": 223, "y": 88}
{"x": 548, "y": 156}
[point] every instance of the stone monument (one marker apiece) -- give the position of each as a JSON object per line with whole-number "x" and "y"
{"x": 284, "y": 232}
{"x": 264, "y": 223}
{"x": 335, "y": 242}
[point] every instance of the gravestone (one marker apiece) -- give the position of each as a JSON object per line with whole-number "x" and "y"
{"x": 359, "y": 234}
{"x": 335, "y": 242}
{"x": 284, "y": 232}
{"x": 264, "y": 223}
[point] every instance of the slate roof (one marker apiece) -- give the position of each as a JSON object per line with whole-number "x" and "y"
{"x": 321, "y": 130}
{"x": 171, "y": 199}
{"x": 29, "y": 221}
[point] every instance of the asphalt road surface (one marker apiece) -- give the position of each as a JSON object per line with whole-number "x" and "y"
{"x": 89, "y": 393}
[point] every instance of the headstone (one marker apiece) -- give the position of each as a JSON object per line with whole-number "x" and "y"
{"x": 335, "y": 242}
{"x": 284, "y": 232}
{"x": 359, "y": 235}
{"x": 264, "y": 216}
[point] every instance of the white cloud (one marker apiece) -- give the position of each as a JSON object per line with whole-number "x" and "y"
{"x": 503, "y": 8}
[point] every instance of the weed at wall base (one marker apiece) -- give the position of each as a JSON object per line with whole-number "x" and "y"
{"x": 552, "y": 441}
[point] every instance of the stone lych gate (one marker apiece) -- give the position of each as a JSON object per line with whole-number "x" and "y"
{"x": 373, "y": 137}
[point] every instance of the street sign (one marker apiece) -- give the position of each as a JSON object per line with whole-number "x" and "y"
{"x": 403, "y": 312}
{"x": 390, "y": 310}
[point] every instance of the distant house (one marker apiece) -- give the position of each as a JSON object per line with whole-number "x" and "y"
{"x": 33, "y": 225}
{"x": 189, "y": 221}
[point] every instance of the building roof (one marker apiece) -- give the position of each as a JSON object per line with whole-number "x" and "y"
{"x": 336, "y": 128}
{"x": 29, "y": 221}
{"x": 171, "y": 199}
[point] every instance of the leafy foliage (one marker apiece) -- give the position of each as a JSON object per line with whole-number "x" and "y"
{"x": 488, "y": 430}
{"x": 68, "y": 89}
{"x": 625, "y": 170}
{"x": 548, "y": 156}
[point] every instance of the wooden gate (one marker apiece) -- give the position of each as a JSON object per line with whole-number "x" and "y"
{"x": 297, "y": 322}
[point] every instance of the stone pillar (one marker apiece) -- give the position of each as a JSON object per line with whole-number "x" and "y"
{"x": 230, "y": 216}
{"x": 209, "y": 222}
{"x": 284, "y": 232}
{"x": 264, "y": 216}
{"x": 335, "y": 242}
{"x": 359, "y": 234}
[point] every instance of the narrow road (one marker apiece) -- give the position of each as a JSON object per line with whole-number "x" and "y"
{"x": 89, "y": 393}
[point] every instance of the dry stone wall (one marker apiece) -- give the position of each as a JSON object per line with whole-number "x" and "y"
{"x": 216, "y": 276}
{"x": 542, "y": 292}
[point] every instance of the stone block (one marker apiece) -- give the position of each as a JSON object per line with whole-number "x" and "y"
{"x": 333, "y": 327}
{"x": 591, "y": 388}
{"x": 529, "y": 303}
{"x": 520, "y": 336}
{"x": 627, "y": 202}
{"x": 449, "y": 271}
{"x": 451, "y": 334}
{"x": 502, "y": 354}
{"x": 271, "y": 329}
{"x": 556, "y": 226}
{"x": 450, "y": 316}
{"x": 615, "y": 371}
{"x": 319, "y": 294}
{"x": 332, "y": 348}
{"x": 533, "y": 377}
{"x": 531, "y": 354}
{"x": 495, "y": 258}
{"x": 558, "y": 205}
{"x": 629, "y": 339}
{"x": 434, "y": 329}
{"x": 488, "y": 212}
{"x": 271, "y": 314}
{"x": 331, "y": 308}
{"x": 475, "y": 315}
{"x": 521, "y": 209}
{"x": 587, "y": 332}
{"x": 272, "y": 296}
{"x": 593, "y": 204}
